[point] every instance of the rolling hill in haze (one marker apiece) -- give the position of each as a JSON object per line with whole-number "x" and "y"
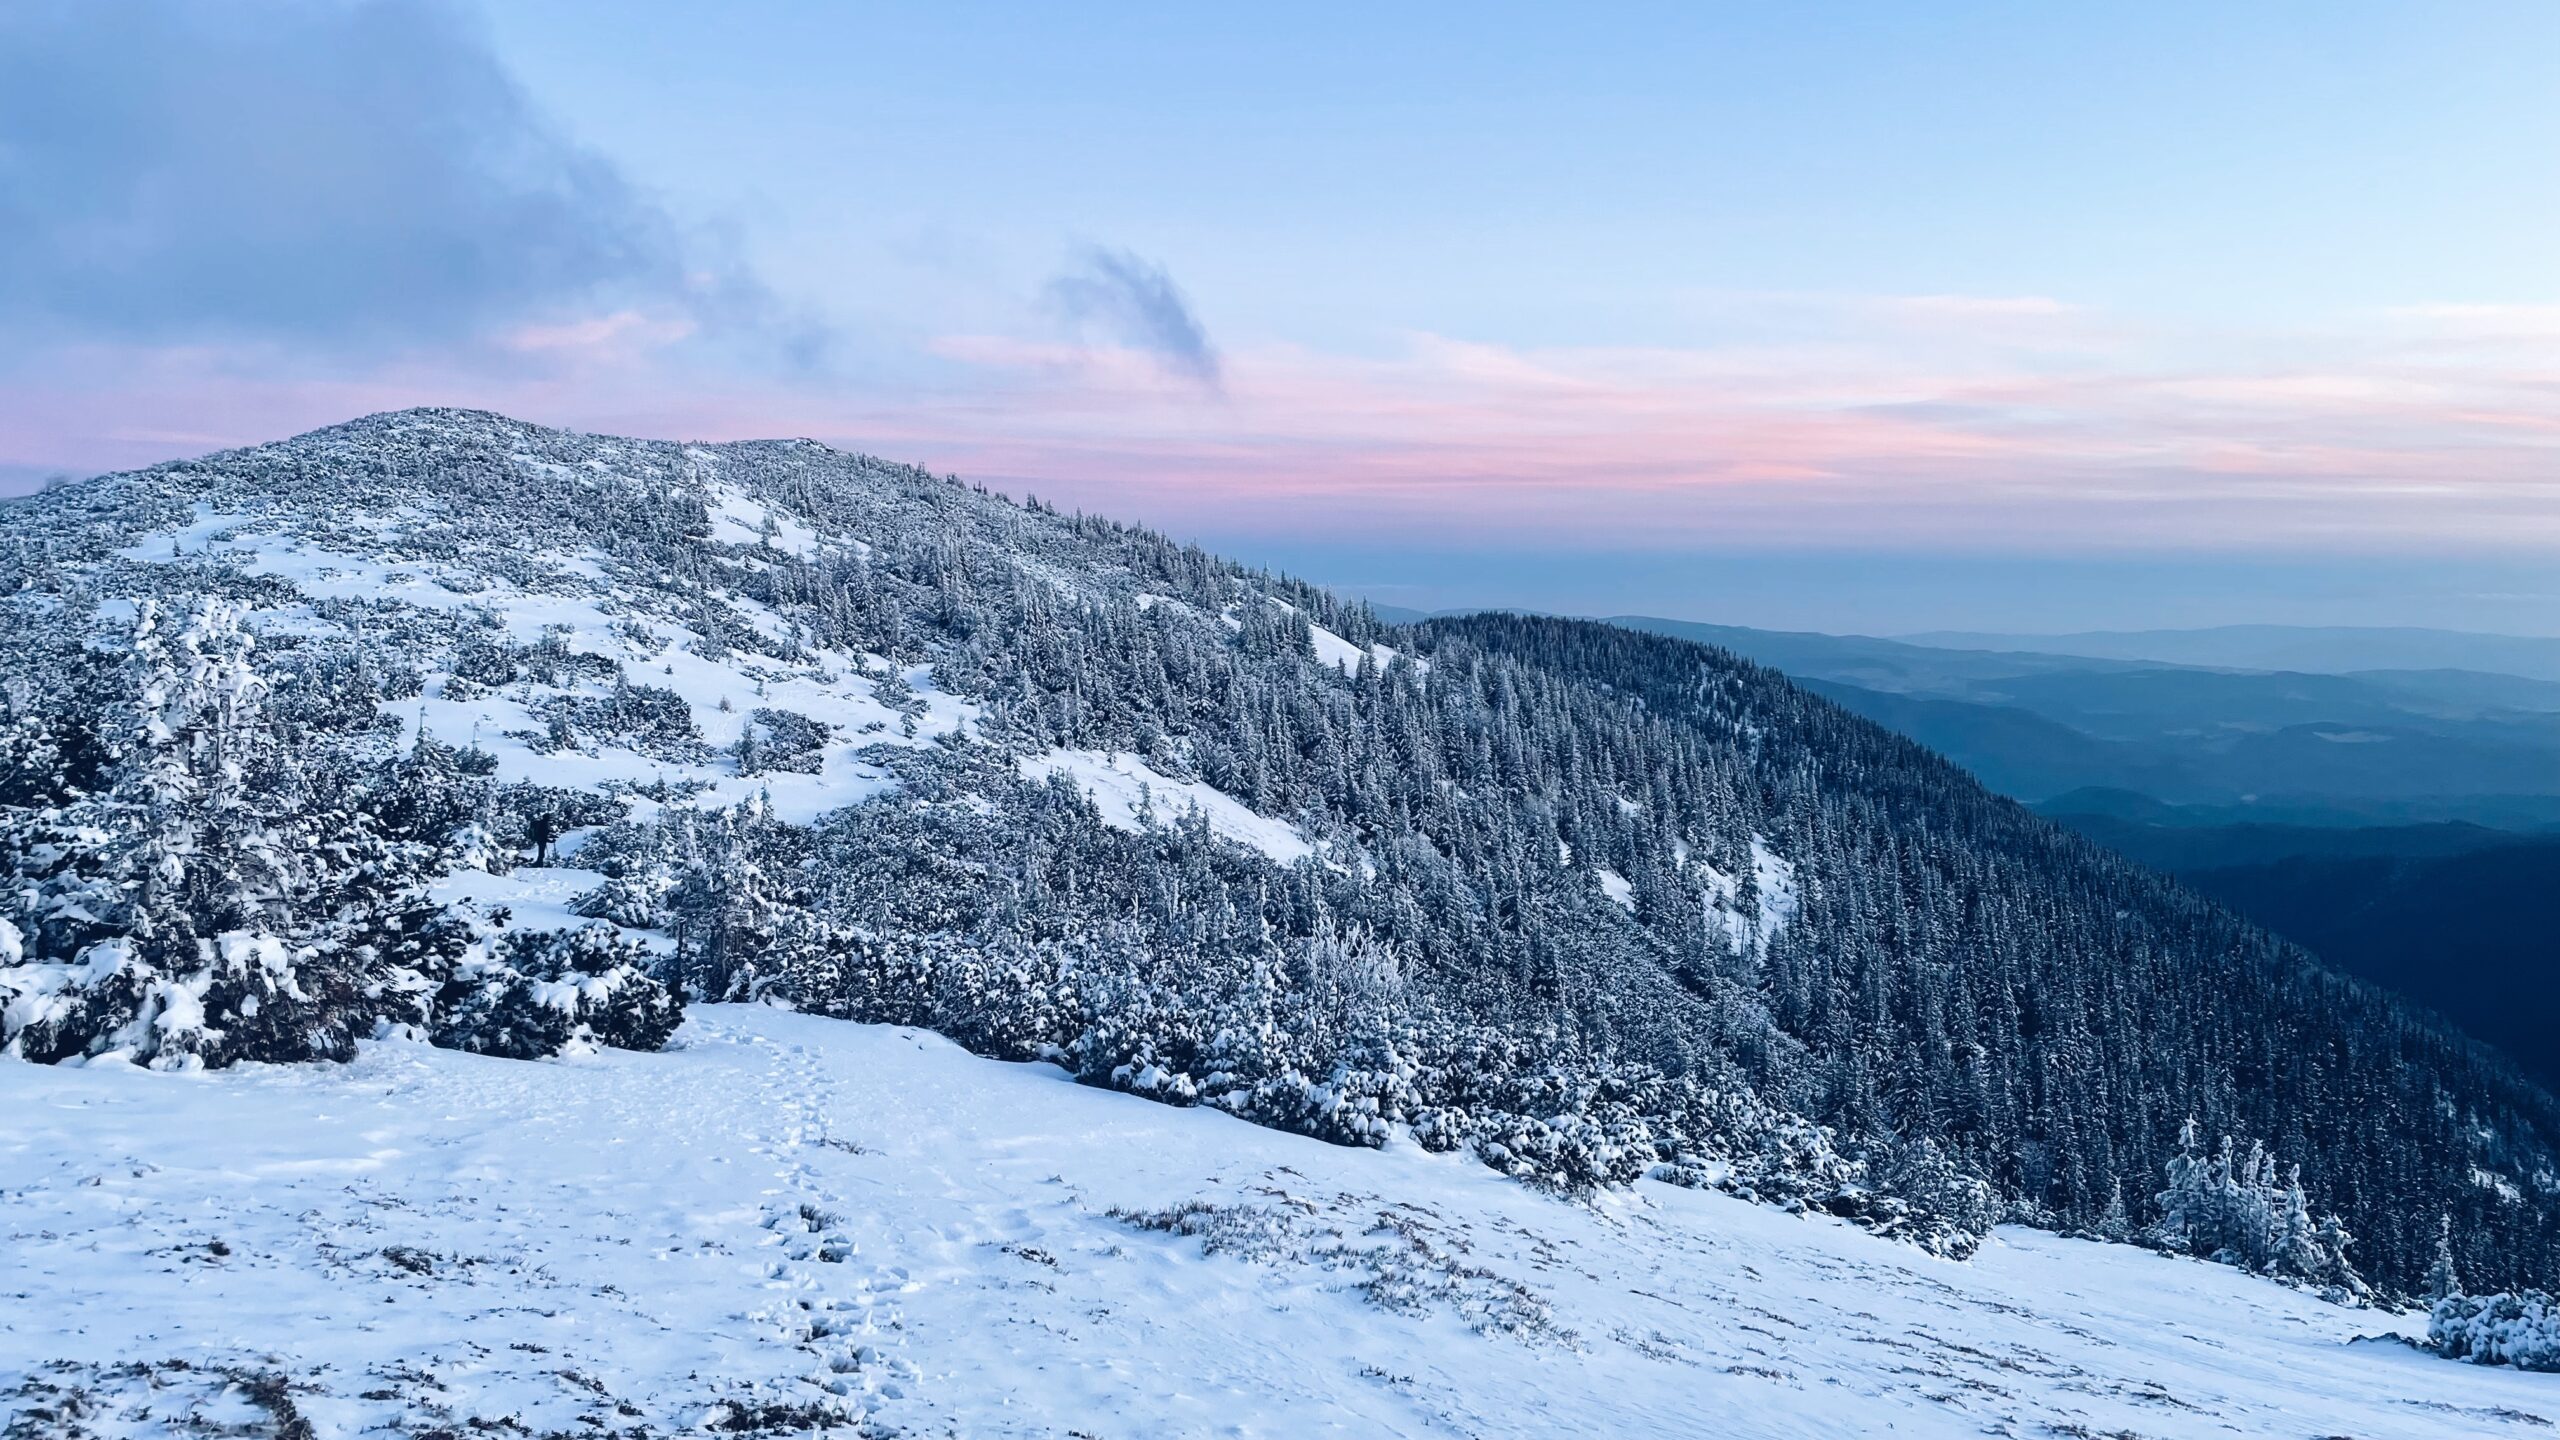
{"x": 2319, "y": 649}
{"x": 2364, "y": 745}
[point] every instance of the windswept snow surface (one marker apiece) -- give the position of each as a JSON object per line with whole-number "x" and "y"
{"x": 1773, "y": 877}
{"x": 1618, "y": 888}
{"x": 739, "y": 520}
{"x": 786, "y": 1213}
{"x": 1129, "y": 793}
{"x": 1332, "y": 649}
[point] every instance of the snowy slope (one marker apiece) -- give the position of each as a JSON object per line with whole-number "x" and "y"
{"x": 691, "y": 641}
{"x": 580, "y": 606}
{"x": 359, "y": 554}
{"x": 1131, "y": 795}
{"x": 786, "y": 1212}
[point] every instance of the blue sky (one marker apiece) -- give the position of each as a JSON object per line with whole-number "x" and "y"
{"x": 1877, "y": 317}
{"x": 1551, "y": 174}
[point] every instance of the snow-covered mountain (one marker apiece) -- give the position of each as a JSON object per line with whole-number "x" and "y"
{"x": 441, "y": 727}
{"x": 787, "y": 1222}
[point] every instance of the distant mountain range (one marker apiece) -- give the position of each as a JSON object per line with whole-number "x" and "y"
{"x": 2470, "y": 934}
{"x": 2330, "y": 649}
{"x": 2459, "y": 917}
{"x": 2405, "y": 743}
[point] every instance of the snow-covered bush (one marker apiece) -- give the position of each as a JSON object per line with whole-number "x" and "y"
{"x": 1921, "y": 1197}
{"x": 639, "y": 864}
{"x": 1355, "y": 1089}
{"x": 1140, "y": 1037}
{"x": 548, "y": 990}
{"x": 406, "y": 955}
{"x": 1907, "y": 1190}
{"x": 2519, "y": 1328}
{"x": 227, "y": 892}
{"x": 649, "y": 719}
{"x": 1572, "y": 1152}
{"x": 781, "y": 741}
{"x": 605, "y": 982}
{"x": 237, "y": 996}
{"x": 725, "y": 883}
{"x": 157, "y": 919}
{"x": 484, "y": 660}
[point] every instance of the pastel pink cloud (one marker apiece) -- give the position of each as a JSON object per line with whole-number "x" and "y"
{"x": 1948, "y": 422}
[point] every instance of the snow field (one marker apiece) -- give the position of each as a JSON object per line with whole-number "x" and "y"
{"x": 787, "y": 1219}
{"x": 1130, "y": 794}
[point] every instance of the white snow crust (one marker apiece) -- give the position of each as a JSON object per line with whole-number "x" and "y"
{"x": 1131, "y": 794}
{"x": 788, "y": 1210}
{"x": 1618, "y": 888}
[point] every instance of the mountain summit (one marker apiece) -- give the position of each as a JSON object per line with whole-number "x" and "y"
{"x": 443, "y": 725}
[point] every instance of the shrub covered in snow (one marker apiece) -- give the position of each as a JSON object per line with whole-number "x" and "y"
{"x": 213, "y": 896}
{"x": 651, "y": 720}
{"x": 2519, "y": 1328}
{"x": 236, "y": 996}
{"x": 159, "y": 917}
{"x": 549, "y": 990}
{"x": 1920, "y": 1196}
{"x": 781, "y": 742}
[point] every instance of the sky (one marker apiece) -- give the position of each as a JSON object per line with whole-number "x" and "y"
{"x": 1829, "y": 316}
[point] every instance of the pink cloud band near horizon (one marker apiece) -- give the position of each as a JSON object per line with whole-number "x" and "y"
{"x": 1962, "y": 422}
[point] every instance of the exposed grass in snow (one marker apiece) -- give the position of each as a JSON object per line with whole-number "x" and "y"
{"x": 789, "y": 1222}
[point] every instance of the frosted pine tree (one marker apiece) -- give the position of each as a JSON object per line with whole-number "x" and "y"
{"x": 2188, "y": 1204}
{"x": 2115, "y": 1224}
{"x": 2298, "y": 1252}
{"x": 2443, "y": 1282}
{"x": 728, "y": 906}
{"x": 183, "y": 894}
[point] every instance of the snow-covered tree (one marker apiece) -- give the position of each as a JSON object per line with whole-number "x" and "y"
{"x": 171, "y": 926}
{"x": 2443, "y": 1280}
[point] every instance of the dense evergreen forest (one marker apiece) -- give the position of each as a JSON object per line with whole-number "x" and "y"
{"x": 299, "y": 739}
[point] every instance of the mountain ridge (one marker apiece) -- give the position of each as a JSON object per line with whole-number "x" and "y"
{"x": 810, "y": 727}
{"x": 2318, "y": 648}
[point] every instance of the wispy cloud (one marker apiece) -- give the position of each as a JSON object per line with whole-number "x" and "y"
{"x": 1985, "y": 306}
{"x": 1134, "y": 301}
{"x": 2079, "y": 430}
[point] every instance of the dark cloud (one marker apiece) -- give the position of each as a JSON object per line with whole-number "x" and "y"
{"x": 1139, "y": 305}
{"x": 361, "y": 175}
